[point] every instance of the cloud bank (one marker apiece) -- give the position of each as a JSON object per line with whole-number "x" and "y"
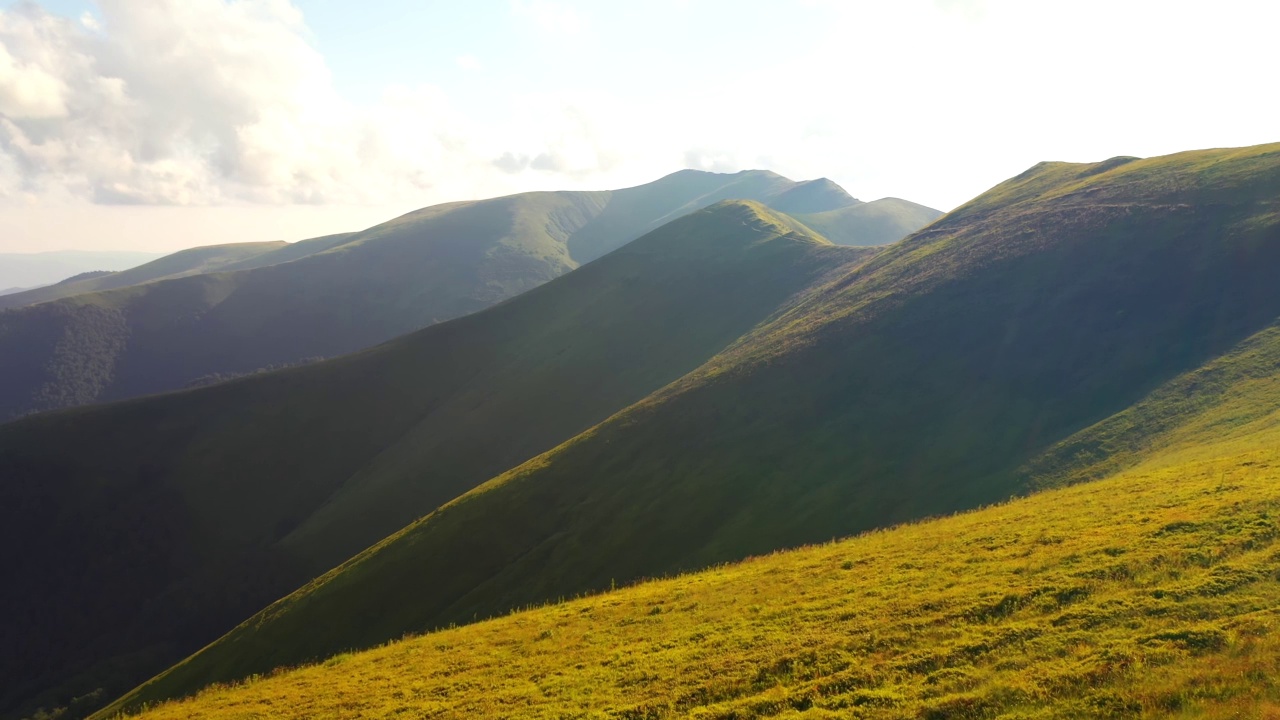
{"x": 191, "y": 102}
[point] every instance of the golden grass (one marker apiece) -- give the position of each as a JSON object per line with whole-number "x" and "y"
{"x": 1152, "y": 593}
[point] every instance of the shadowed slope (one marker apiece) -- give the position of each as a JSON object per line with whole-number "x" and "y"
{"x": 916, "y": 385}
{"x": 177, "y": 516}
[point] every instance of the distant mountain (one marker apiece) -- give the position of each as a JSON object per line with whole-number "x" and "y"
{"x": 177, "y": 516}
{"x": 27, "y": 270}
{"x": 252, "y": 307}
{"x": 926, "y": 380}
{"x": 194, "y": 261}
{"x": 879, "y": 222}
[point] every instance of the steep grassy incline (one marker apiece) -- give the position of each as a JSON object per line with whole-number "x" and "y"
{"x": 346, "y": 294}
{"x": 134, "y": 533}
{"x": 212, "y": 258}
{"x": 1148, "y": 594}
{"x": 919, "y": 384}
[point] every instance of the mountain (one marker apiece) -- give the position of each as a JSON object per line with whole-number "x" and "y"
{"x": 347, "y": 293}
{"x": 924, "y": 381}
{"x": 193, "y": 261}
{"x": 1149, "y": 593}
{"x": 879, "y": 222}
{"x": 177, "y": 516}
{"x": 27, "y": 270}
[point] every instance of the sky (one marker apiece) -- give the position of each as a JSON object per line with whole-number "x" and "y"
{"x": 162, "y": 124}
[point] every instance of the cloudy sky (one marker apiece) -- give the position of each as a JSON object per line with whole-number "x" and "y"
{"x": 160, "y": 124}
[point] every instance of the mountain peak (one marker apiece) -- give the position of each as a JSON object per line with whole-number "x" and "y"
{"x": 814, "y": 196}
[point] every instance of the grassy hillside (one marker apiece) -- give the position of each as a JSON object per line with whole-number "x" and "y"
{"x": 922, "y": 382}
{"x": 192, "y": 261}
{"x": 875, "y": 223}
{"x": 1148, "y": 594}
{"x": 177, "y": 516}
{"x": 29, "y": 270}
{"x": 346, "y": 294}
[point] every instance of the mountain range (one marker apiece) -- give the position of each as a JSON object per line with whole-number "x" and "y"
{"x": 179, "y": 515}
{"x": 1100, "y": 338}
{"x": 209, "y": 314}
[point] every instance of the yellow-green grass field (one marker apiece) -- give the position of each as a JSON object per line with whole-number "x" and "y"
{"x": 1152, "y": 593}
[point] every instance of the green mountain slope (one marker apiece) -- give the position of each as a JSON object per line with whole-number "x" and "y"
{"x": 177, "y": 516}
{"x": 193, "y": 261}
{"x": 920, "y": 383}
{"x": 1147, "y": 594}
{"x": 346, "y": 294}
{"x": 879, "y": 222}
{"x": 29, "y": 270}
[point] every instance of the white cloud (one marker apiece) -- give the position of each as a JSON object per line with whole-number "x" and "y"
{"x": 208, "y": 102}
{"x": 204, "y": 102}
{"x": 225, "y": 102}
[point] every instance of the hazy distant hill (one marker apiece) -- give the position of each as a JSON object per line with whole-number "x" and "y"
{"x": 177, "y": 516}
{"x": 27, "y": 270}
{"x": 194, "y": 261}
{"x": 347, "y": 292}
{"x": 879, "y": 222}
{"x": 921, "y": 382}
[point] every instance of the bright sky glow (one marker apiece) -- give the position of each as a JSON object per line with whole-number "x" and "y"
{"x": 159, "y": 124}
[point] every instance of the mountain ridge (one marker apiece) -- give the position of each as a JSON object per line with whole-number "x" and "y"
{"x": 254, "y": 486}
{"x": 1056, "y": 300}
{"x": 332, "y": 295}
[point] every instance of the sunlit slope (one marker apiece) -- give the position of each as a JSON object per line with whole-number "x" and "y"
{"x": 194, "y": 261}
{"x": 142, "y": 530}
{"x": 335, "y": 295}
{"x": 1148, "y": 594}
{"x": 918, "y": 384}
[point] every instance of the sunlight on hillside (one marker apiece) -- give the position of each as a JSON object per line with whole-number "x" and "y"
{"x": 1148, "y": 594}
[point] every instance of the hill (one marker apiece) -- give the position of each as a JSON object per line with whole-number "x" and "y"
{"x": 879, "y": 222}
{"x": 347, "y": 293}
{"x": 1149, "y": 593}
{"x": 28, "y": 270}
{"x": 177, "y": 516}
{"x": 193, "y": 261}
{"x": 922, "y": 382}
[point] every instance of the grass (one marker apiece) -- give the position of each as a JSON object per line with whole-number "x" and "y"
{"x": 916, "y": 384}
{"x": 178, "y": 516}
{"x": 1150, "y": 593}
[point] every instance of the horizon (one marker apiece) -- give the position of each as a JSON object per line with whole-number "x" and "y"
{"x": 182, "y": 124}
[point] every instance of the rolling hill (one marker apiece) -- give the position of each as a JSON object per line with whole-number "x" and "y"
{"x": 924, "y": 381}
{"x": 177, "y": 516}
{"x": 1147, "y": 594}
{"x": 194, "y": 261}
{"x": 347, "y": 293}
